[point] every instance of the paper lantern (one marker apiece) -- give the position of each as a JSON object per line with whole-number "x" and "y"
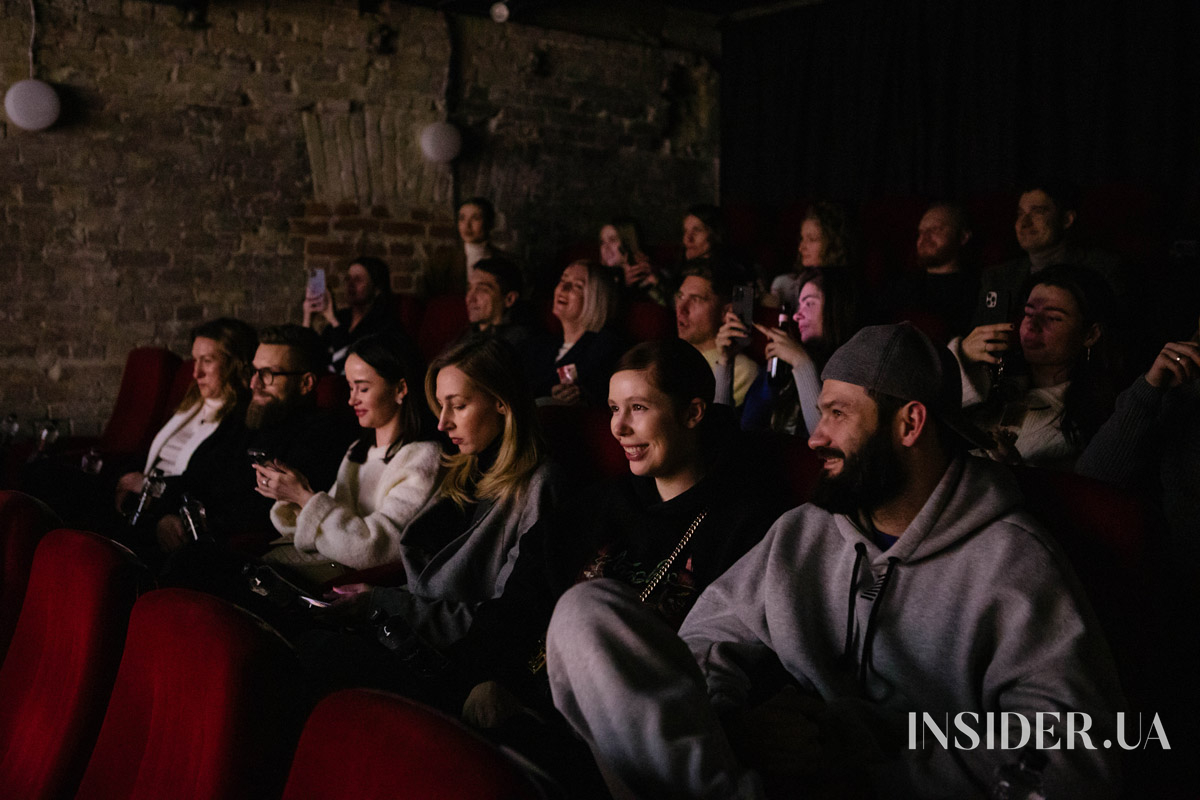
{"x": 32, "y": 104}
{"x": 440, "y": 142}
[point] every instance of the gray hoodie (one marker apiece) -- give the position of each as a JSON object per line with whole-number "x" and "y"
{"x": 980, "y": 613}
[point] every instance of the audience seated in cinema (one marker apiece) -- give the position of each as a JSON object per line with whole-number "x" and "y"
{"x": 207, "y": 434}
{"x": 825, "y": 241}
{"x": 689, "y": 473}
{"x": 1046, "y": 217}
{"x": 944, "y": 291}
{"x": 826, "y": 316}
{"x": 575, "y": 369}
{"x": 384, "y": 479}
{"x": 449, "y": 268}
{"x": 1152, "y": 441}
{"x": 369, "y": 309}
{"x": 621, "y": 251}
{"x": 914, "y": 583}
{"x": 1045, "y": 414}
{"x": 460, "y": 547}
{"x": 282, "y": 422}
{"x": 703, "y": 298}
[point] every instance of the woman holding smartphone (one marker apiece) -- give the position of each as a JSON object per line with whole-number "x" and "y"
{"x": 369, "y": 308}
{"x": 385, "y": 478}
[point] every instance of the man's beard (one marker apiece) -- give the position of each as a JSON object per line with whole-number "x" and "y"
{"x": 940, "y": 257}
{"x": 266, "y": 415}
{"x": 869, "y": 478}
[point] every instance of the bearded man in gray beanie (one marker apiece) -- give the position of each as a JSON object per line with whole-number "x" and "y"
{"x": 928, "y": 628}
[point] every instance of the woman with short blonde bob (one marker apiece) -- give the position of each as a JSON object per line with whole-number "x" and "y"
{"x": 575, "y": 369}
{"x": 458, "y": 550}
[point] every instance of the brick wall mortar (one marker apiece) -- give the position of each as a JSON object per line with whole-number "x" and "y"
{"x": 180, "y": 184}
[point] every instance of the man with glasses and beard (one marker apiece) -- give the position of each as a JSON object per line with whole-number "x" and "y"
{"x": 912, "y": 585}
{"x": 282, "y": 422}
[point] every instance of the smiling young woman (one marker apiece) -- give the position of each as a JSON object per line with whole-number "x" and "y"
{"x": 690, "y": 505}
{"x": 384, "y": 480}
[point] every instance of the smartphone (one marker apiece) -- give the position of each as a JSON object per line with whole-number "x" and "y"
{"x": 743, "y": 304}
{"x": 316, "y": 285}
{"x": 259, "y": 457}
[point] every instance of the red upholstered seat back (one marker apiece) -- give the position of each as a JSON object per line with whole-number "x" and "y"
{"x": 332, "y": 392}
{"x": 179, "y": 387}
{"x": 581, "y": 440}
{"x": 445, "y": 316}
{"x": 205, "y": 705}
{"x": 644, "y": 321}
{"x": 141, "y": 400}
{"x": 60, "y": 667}
{"x": 371, "y": 745}
{"x": 23, "y": 523}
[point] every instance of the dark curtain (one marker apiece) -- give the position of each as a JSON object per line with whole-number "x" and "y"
{"x": 855, "y": 100}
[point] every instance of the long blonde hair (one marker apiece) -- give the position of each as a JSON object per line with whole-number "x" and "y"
{"x": 237, "y": 341}
{"x": 494, "y": 369}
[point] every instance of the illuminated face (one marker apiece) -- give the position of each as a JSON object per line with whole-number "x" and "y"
{"x": 696, "y": 238}
{"x": 471, "y": 418}
{"x": 812, "y": 244}
{"x": 610, "y": 247}
{"x": 486, "y": 304}
{"x": 470, "y": 224}
{"x": 375, "y": 400}
{"x": 210, "y": 363}
{"x": 283, "y": 389}
{"x": 1041, "y": 224}
{"x": 938, "y": 238}
{"x": 360, "y": 289}
{"x": 1052, "y": 330}
{"x": 570, "y": 293}
{"x": 810, "y": 312}
{"x": 861, "y": 469}
{"x": 646, "y": 423}
{"x": 698, "y": 312}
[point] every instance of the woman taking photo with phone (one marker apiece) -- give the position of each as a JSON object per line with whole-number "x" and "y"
{"x": 369, "y": 309}
{"x": 385, "y": 478}
{"x": 826, "y": 316}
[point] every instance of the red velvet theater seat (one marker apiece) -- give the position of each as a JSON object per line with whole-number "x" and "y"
{"x": 371, "y": 745}
{"x": 142, "y": 401}
{"x": 205, "y": 705}
{"x": 645, "y": 321}
{"x": 23, "y": 523}
{"x": 60, "y": 668}
{"x": 445, "y": 317}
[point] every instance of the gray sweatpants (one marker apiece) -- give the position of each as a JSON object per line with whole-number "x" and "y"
{"x": 630, "y": 687}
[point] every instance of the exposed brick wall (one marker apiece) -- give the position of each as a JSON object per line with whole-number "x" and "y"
{"x": 178, "y": 185}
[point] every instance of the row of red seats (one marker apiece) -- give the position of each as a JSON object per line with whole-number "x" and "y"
{"x": 112, "y": 691}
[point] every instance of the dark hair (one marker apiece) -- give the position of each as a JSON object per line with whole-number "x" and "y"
{"x": 379, "y": 273}
{"x": 1090, "y": 395}
{"x": 1064, "y": 193}
{"x": 710, "y": 215}
{"x": 508, "y": 276}
{"x": 836, "y": 229}
{"x": 629, "y": 232}
{"x": 676, "y": 368}
{"x": 840, "y": 314}
{"x": 485, "y": 208}
{"x": 307, "y": 352}
{"x": 237, "y": 341}
{"x": 392, "y": 357}
{"x": 723, "y": 275}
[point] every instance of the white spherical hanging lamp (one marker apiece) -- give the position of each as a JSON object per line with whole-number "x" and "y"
{"x": 440, "y": 142}
{"x": 32, "y": 104}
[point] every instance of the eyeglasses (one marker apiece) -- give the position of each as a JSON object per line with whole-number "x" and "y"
{"x": 267, "y": 376}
